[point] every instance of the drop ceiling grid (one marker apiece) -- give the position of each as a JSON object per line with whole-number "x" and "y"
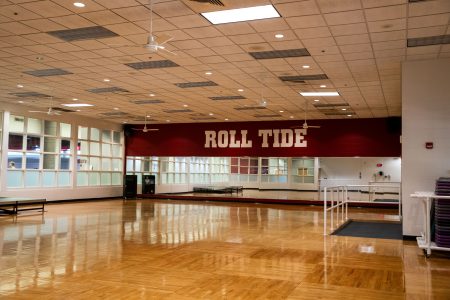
{"x": 228, "y": 81}
{"x": 357, "y": 71}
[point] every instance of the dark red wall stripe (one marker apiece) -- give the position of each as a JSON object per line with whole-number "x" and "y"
{"x": 336, "y": 138}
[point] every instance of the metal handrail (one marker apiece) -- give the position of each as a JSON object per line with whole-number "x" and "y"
{"x": 339, "y": 203}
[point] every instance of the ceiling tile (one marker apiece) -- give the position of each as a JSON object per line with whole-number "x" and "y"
{"x": 117, "y": 3}
{"x": 316, "y": 32}
{"x": 203, "y": 32}
{"x": 189, "y": 21}
{"x": 235, "y": 28}
{"x": 17, "y": 28}
{"x": 349, "y": 29}
{"x": 306, "y": 21}
{"x": 388, "y": 36}
{"x": 380, "y": 3}
{"x": 169, "y": 9}
{"x": 348, "y": 17}
{"x": 352, "y": 39}
{"x": 319, "y": 42}
{"x": 429, "y": 8}
{"x": 429, "y": 21}
{"x": 73, "y": 21}
{"x": 386, "y": 13}
{"x": 355, "y": 48}
{"x": 399, "y": 44}
{"x": 387, "y": 25}
{"x": 327, "y": 6}
{"x": 104, "y": 17}
{"x": 216, "y": 41}
{"x": 17, "y": 13}
{"x": 298, "y": 8}
{"x": 46, "y": 9}
{"x": 44, "y": 25}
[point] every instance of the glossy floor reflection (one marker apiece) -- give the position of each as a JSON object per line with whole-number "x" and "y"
{"x": 194, "y": 250}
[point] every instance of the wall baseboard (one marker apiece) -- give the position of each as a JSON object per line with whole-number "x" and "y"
{"x": 409, "y": 237}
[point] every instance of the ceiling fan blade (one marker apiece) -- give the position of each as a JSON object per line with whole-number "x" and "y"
{"x": 173, "y": 53}
{"x": 162, "y": 41}
{"x": 118, "y": 44}
{"x": 37, "y": 111}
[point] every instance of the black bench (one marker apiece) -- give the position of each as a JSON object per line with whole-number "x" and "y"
{"x": 219, "y": 189}
{"x": 13, "y": 205}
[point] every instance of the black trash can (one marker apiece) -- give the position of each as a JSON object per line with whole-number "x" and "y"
{"x": 148, "y": 184}
{"x": 130, "y": 186}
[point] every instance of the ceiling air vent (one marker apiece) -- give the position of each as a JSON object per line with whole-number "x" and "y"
{"x": 214, "y": 2}
{"x": 280, "y": 53}
{"x": 85, "y": 33}
{"x": 174, "y": 111}
{"x": 429, "y": 40}
{"x": 249, "y": 107}
{"x": 332, "y": 106}
{"x": 61, "y": 109}
{"x": 185, "y": 85}
{"x": 154, "y": 64}
{"x": 267, "y": 116}
{"x": 112, "y": 89}
{"x": 220, "y": 98}
{"x": 30, "y": 95}
{"x": 143, "y": 119}
{"x": 48, "y": 72}
{"x": 150, "y": 101}
{"x": 302, "y": 78}
{"x": 115, "y": 114}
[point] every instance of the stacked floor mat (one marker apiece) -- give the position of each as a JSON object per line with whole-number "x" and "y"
{"x": 442, "y": 213}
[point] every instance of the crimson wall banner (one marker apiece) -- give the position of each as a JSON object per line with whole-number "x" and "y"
{"x": 335, "y": 138}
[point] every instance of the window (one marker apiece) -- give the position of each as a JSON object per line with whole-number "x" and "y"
{"x": 274, "y": 170}
{"x": 302, "y": 170}
{"x": 199, "y": 170}
{"x": 245, "y": 169}
{"x": 37, "y": 155}
{"x": 173, "y": 170}
{"x": 99, "y": 157}
{"x": 220, "y": 169}
{"x": 139, "y": 165}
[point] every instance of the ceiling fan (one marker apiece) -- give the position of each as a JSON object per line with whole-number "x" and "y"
{"x": 305, "y": 124}
{"x": 145, "y": 129}
{"x": 153, "y": 45}
{"x": 50, "y": 111}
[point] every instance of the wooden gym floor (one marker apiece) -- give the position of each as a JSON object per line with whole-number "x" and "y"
{"x": 149, "y": 249}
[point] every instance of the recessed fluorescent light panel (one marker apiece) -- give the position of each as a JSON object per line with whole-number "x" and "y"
{"x": 77, "y": 105}
{"x": 241, "y": 14}
{"x": 319, "y": 94}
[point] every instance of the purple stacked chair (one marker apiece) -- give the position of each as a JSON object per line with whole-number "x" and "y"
{"x": 442, "y": 213}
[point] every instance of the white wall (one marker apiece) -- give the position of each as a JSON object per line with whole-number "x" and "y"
{"x": 50, "y": 194}
{"x": 360, "y": 170}
{"x": 425, "y": 118}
